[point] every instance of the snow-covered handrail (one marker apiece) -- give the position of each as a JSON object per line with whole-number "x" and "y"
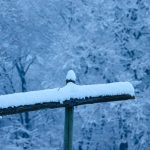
{"x": 69, "y": 95}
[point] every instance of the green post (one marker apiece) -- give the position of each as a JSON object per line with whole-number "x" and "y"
{"x": 68, "y": 129}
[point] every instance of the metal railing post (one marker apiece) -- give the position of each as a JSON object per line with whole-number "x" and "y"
{"x": 68, "y": 128}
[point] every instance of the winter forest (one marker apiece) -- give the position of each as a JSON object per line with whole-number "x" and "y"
{"x": 103, "y": 41}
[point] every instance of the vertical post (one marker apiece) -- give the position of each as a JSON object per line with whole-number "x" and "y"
{"x": 68, "y": 129}
{"x": 69, "y": 110}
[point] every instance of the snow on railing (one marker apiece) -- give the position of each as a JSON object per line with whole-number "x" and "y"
{"x": 71, "y": 94}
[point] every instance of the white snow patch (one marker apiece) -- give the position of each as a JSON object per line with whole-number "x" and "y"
{"x": 71, "y": 75}
{"x": 67, "y": 92}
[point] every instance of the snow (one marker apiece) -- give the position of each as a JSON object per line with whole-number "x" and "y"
{"x": 71, "y": 75}
{"x": 67, "y": 92}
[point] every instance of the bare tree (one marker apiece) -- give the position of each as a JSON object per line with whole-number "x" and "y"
{"x": 22, "y": 66}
